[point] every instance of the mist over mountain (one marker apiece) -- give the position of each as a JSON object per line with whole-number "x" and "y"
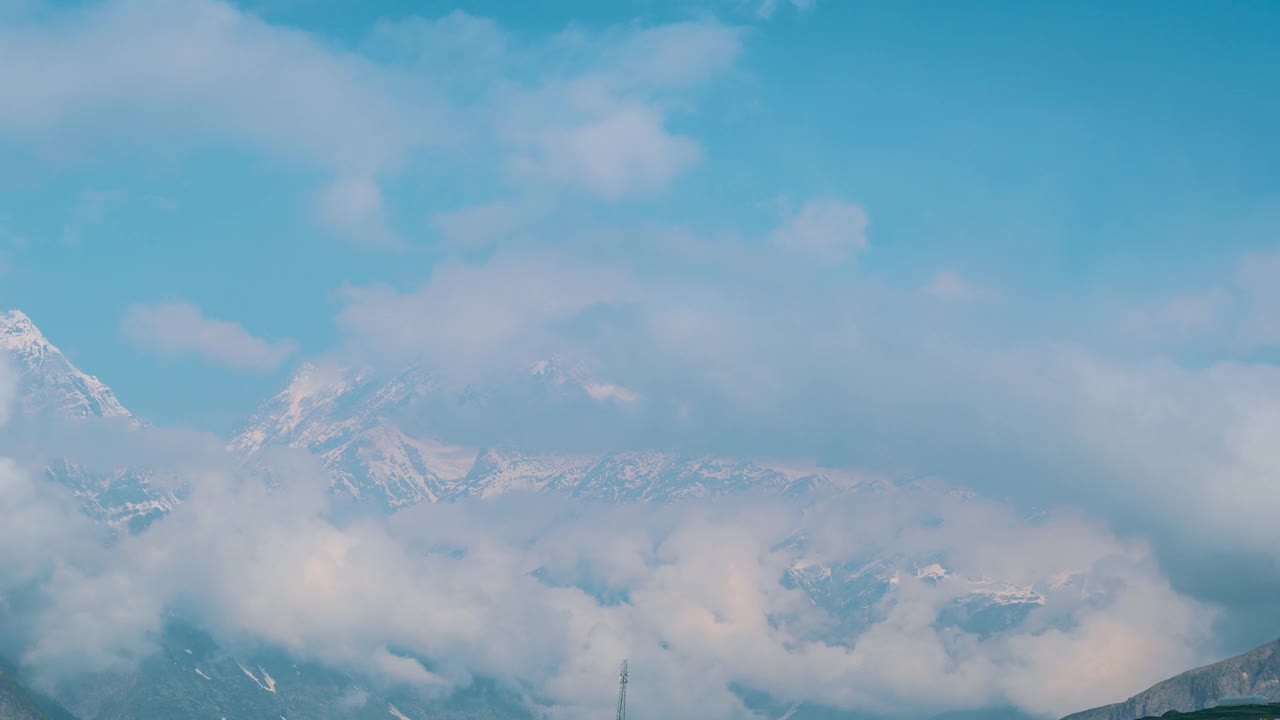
{"x": 846, "y": 565}
{"x": 50, "y": 389}
{"x": 366, "y": 429}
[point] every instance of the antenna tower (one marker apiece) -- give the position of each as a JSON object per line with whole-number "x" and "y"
{"x": 622, "y": 692}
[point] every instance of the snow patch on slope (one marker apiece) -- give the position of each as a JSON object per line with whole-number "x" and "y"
{"x": 267, "y": 684}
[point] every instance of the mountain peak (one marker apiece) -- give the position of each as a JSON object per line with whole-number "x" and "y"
{"x": 15, "y": 316}
{"x": 18, "y": 332}
{"x": 48, "y": 381}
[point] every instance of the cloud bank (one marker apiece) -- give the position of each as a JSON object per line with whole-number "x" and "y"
{"x": 546, "y": 596}
{"x": 747, "y": 350}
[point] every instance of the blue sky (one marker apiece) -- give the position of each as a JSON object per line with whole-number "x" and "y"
{"x": 1073, "y": 159}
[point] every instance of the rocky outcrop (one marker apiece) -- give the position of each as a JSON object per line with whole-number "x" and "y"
{"x": 1256, "y": 672}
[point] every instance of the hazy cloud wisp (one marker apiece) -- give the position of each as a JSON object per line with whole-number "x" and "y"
{"x": 179, "y": 328}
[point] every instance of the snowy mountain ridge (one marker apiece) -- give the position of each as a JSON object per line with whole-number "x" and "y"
{"x": 50, "y": 386}
{"x": 352, "y": 421}
{"x": 49, "y": 382}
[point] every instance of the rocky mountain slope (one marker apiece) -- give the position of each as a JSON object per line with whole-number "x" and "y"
{"x": 1256, "y": 672}
{"x": 51, "y": 389}
{"x": 50, "y": 383}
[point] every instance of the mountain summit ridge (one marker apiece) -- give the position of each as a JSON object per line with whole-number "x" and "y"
{"x": 364, "y": 428}
{"x": 48, "y": 380}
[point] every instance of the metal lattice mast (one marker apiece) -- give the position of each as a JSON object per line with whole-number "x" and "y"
{"x": 622, "y": 692}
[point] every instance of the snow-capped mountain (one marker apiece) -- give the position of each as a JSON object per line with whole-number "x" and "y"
{"x": 348, "y": 420}
{"x": 52, "y": 388}
{"x": 49, "y": 382}
{"x": 361, "y": 427}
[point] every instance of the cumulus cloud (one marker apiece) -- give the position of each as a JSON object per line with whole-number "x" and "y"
{"x": 354, "y": 205}
{"x": 592, "y": 118}
{"x": 223, "y": 72}
{"x": 512, "y": 590}
{"x": 206, "y": 71}
{"x": 179, "y": 328}
{"x": 622, "y": 152}
{"x": 824, "y": 229}
{"x": 602, "y": 129}
{"x": 478, "y": 317}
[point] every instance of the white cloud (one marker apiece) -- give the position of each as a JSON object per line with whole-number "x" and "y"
{"x": 582, "y": 110}
{"x": 948, "y": 286}
{"x": 353, "y": 204}
{"x": 473, "y": 318}
{"x": 671, "y": 56}
{"x": 180, "y": 328}
{"x": 623, "y": 152}
{"x": 706, "y": 609}
{"x": 1186, "y": 316}
{"x": 1258, "y": 276}
{"x": 479, "y": 226}
{"x": 824, "y": 229}
{"x": 208, "y": 67}
{"x": 159, "y": 73}
{"x": 8, "y": 390}
{"x": 599, "y": 126}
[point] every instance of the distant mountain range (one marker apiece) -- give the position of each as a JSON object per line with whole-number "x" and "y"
{"x": 354, "y": 421}
{"x": 358, "y": 422}
{"x": 360, "y": 425}
{"x": 365, "y": 429}
{"x": 1256, "y": 672}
